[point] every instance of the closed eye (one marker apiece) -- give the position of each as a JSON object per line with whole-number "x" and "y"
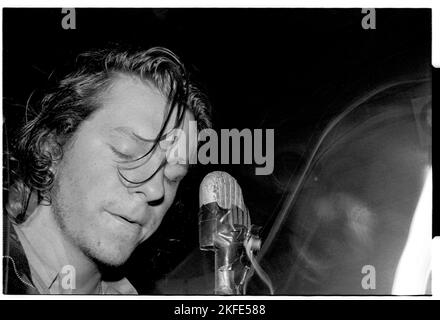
{"x": 175, "y": 173}
{"x": 121, "y": 155}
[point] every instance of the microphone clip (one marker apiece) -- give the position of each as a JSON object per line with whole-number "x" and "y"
{"x": 226, "y": 231}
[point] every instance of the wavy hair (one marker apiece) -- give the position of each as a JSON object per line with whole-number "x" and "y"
{"x": 41, "y": 140}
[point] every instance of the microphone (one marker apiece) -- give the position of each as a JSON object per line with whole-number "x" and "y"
{"x": 225, "y": 228}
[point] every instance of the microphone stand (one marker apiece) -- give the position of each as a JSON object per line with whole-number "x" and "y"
{"x": 218, "y": 233}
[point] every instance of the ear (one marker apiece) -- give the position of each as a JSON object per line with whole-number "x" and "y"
{"x": 52, "y": 148}
{"x": 53, "y": 168}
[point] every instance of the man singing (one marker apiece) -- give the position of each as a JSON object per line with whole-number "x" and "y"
{"x": 94, "y": 180}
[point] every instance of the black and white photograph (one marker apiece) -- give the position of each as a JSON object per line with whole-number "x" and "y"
{"x": 217, "y": 151}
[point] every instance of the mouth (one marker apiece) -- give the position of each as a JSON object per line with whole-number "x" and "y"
{"x": 124, "y": 220}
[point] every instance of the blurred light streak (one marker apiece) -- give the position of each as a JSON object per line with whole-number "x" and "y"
{"x": 414, "y": 268}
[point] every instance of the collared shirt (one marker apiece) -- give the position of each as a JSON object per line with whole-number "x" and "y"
{"x": 48, "y": 262}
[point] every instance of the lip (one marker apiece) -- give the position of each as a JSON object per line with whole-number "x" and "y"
{"x": 123, "y": 219}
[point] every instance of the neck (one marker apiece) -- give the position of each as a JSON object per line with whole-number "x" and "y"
{"x": 78, "y": 273}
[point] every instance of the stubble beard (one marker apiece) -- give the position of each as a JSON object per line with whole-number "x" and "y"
{"x": 63, "y": 213}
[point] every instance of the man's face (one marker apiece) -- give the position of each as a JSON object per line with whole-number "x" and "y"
{"x": 101, "y": 213}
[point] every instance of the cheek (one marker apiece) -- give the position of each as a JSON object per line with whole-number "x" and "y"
{"x": 170, "y": 192}
{"x": 159, "y": 212}
{"x": 170, "y": 195}
{"x": 88, "y": 178}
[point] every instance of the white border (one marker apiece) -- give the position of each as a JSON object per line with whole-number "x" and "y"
{"x": 434, "y": 4}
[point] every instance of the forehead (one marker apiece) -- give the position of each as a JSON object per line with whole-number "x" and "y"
{"x": 137, "y": 107}
{"x": 129, "y": 101}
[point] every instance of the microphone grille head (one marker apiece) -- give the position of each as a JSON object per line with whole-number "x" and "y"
{"x": 222, "y": 188}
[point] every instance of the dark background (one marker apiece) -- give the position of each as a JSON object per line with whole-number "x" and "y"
{"x": 288, "y": 69}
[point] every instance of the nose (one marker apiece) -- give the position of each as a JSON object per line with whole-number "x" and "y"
{"x": 152, "y": 191}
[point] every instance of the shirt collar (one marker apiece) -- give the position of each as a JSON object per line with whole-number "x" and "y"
{"x": 47, "y": 256}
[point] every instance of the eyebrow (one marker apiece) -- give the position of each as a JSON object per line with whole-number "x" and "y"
{"x": 131, "y": 134}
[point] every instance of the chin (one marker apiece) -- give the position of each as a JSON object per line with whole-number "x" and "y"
{"x": 110, "y": 255}
{"x": 112, "y": 260}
